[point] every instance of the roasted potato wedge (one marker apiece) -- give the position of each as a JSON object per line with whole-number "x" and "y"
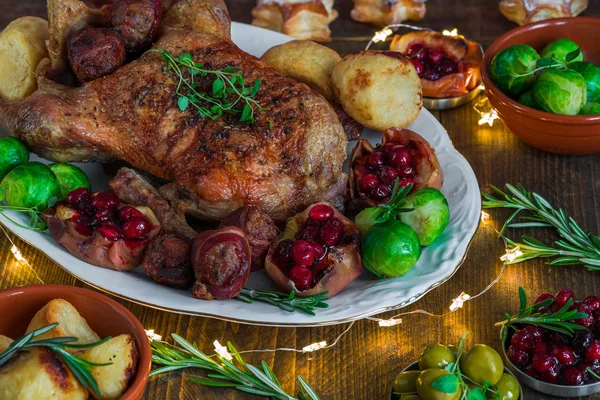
{"x": 39, "y": 374}
{"x": 70, "y": 322}
{"x": 4, "y": 342}
{"x": 113, "y": 379}
{"x": 22, "y": 47}
{"x": 379, "y": 89}
{"x": 306, "y": 61}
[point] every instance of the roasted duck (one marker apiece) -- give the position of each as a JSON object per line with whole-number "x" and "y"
{"x": 289, "y": 158}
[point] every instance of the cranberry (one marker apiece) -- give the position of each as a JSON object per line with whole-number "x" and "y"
{"x": 405, "y": 182}
{"x": 283, "y": 252}
{"x": 541, "y": 347}
{"x": 529, "y": 370}
{"x": 309, "y": 233}
{"x": 448, "y": 67}
{"x": 136, "y": 228}
{"x": 543, "y": 362}
{"x": 418, "y": 66}
{"x": 573, "y": 376}
{"x": 581, "y": 341}
{"x": 320, "y": 269}
{"x": 381, "y": 192}
{"x": 361, "y": 170}
{"x": 536, "y": 332}
{"x": 565, "y": 355}
{"x": 320, "y": 212}
{"x": 110, "y": 231}
{"x": 552, "y": 375}
{"x": 516, "y": 356}
{"x": 593, "y": 302}
{"x": 368, "y": 183}
{"x": 83, "y": 229}
{"x": 592, "y": 353}
{"x": 562, "y": 297}
{"x": 105, "y": 199}
{"x": 417, "y": 52}
{"x": 78, "y": 196}
{"x": 387, "y": 174}
{"x": 406, "y": 172}
{"x": 301, "y": 276}
{"x": 586, "y": 321}
{"x": 126, "y": 213}
{"x": 557, "y": 338}
{"x": 375, "y": 159}
{"x": 330, "y": 233}
{"x": 594, "y": 366}
{"x": 302, "y": 253}
{"x": 431, "y": 74}
{"x": 543, "y": 297}
{"x": 104, "y": 214}
{"x": 400, "y": 157}
{"x": 435, "y": 56}
{"x": 522, "y": 340}
{"x": 318, "y": 250}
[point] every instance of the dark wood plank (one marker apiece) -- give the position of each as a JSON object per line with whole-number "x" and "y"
{"x": 364, "y": 363}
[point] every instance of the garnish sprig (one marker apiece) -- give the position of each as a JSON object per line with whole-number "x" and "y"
{"x": 228, "y": 93}
{"x": 575, "y": 246}
{"x": 287, "y": 302}
{"x": 234, "y": 373}
{"x": 81, "y": 369}
{"x": 559, "y": 321}
{"x": 36, "y": 222}
{"x": 551, "y": 63}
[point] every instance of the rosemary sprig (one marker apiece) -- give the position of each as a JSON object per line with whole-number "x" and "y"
{"x": 574, "y": 247}
{"x": 228, "y": 93}
{"x": 81, "y": 369}
{"x": 234, "y": 373}
{"x": 287, "y": 302}
{"x": 559, "y": 321}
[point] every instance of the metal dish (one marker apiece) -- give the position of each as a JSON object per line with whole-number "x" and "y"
{"x": 415, "y": 367}
{"x": 549, "y": 388}
{"x": 431, "y": 103}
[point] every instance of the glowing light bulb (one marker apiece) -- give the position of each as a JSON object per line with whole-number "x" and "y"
{"x": 511, "y": 254}
{"x": 152, "y": 336}
{"x": 485, "y": 217}
{"x": 459, "y": 301}
{"x": 390, "y": 322}
{"x": 222, "y": 351}
{"x": 453, "y": 32}
{"x": 382, "y": 35}
{"x": 314, "y": 347}
{"x": 488, "y": 117}
{"x": 18, "y": 255}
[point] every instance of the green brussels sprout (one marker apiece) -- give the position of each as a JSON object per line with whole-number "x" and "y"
{"x": 510, "y": 64}
{"x": 560, "y": 91}
{"x": 69, "y": 178}
{"x": 30, "y": 185}
{"x": 12, "y": 154}
{"x": 590, "y": 108}
{"x": 559, "y": 50}
{"x": 390, "y": 249}
{"x": 528, "y": 100}
{"x": 591, "y": 74}
{"x": 430, "y": 215}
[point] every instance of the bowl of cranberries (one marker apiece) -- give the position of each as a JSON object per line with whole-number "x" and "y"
{"x": 555, "y": 363}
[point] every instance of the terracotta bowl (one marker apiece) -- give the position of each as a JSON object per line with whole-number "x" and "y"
{"x": 104, "y": 315}
{"x": 563, "y": 134}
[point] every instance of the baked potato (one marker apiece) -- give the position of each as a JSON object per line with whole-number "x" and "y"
{"x": 379, "y": 89}
{"x": 307, "y": 62}
{"x": 70, "y": 322}
{"x": 4, "y": 342}
{"x": 39, "y": 374}
{"x": 113, "y": 379}
{"x": 22, "y": 47}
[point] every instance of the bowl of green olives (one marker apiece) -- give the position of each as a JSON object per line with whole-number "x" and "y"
{"x": 449, "y": 373}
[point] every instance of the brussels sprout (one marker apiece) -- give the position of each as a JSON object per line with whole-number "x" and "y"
{"x": 390, "y": 249}
{"x": 591, "y": 74}
{"x": 527, "y": 100}
{"x": 590, "y": 108}
{"x": 69, "y": 178}
{"x": 559, "y": 50}
{"x": 430, "y": 215}
{"x": 30, "y": 185}
{"x": 12, "y": 153}
{"x": 560, "y": 91}
{"x": 510, "y": 64}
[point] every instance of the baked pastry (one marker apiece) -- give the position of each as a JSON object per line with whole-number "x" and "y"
{"x": 526, "y": 11}
{"x": 386, "y": 12}
{"x": 448, "y": 66}
{"x": 302, "y": 19}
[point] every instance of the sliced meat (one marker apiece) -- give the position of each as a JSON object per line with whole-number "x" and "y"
{"x": 352, "y": 128}
{"x": 168, "y": 261}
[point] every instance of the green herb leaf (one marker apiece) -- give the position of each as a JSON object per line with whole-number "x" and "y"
{"x": 476, "y": 394}
{"x": 256, "y": 87}
{"x": 546, "y": 62}
{"x": 522, "y": 299}
{"x": 446, "y": 383}
{"x": 572, "y": 55}
{"x": 185, "y": 58}
{"x": 246, "y": 113}
{"x": 450, "y": 367}
{"x": 182, "y": 103}
{"x": 288, "y": 302}
{"x": 231, "y": 70}
{"x": 217, "y": 88}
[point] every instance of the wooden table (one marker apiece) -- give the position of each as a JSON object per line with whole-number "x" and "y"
{"x": 364, "y": 363}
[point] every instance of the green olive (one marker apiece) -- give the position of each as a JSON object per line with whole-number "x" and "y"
{"x": 507, "y": 387}
{"x": 481, "y": 364}
{"x": 436, "y": 356}
{"x": 410, "y": 397}
{"x": 426, "y": 392}
{"x": 405, "y": 382}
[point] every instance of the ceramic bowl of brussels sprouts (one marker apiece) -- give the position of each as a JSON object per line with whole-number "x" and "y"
{"x": 544, "y": 81}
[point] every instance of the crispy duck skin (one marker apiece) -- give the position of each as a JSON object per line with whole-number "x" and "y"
{"x": 289, "y": 158}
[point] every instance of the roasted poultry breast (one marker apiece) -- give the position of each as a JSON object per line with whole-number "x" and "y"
{"x": 289, "y": 158}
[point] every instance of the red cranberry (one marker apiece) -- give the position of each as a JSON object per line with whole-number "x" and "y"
{"x": 381, "y": 192}
{"x": 302, "y": 253}
{"x": 83, "y": 229}
{"x": 573, "y": 376}
{"x": 78, "y": 196}
{"x": 581, "y": 341}
{"x": 435, "y": 56}
{"x": 361, "y": 170}
{"x": 542, "y": 297}
{"x": 431, "y": 74}
{"x": 400, "y": 157}
{"x": 368, "y": 183}
{"x": 330, "y": 233}
{"x": 136, "y": 228}
{"x": 565, "y": 355}
{"x": 516, "y": 356}
{"x": 448, "y": 67}
{"x": 406, "y": 172}
{"x": 557, "y": 338}
{"x": 387, "y": 174}
{"x": 529, "y": 370}
{"x": 319, "y": 269}
{"x": 594, "y": 366}
{"x": 301, "y": 276}
{"x": 592, "y": 353}
{"x": 522, "y": 340}
{"x": 110, "y": 231}
{"x": 105, "y": 199}
{"x": 309, "y": 233}
{"x": 405, "y": 182}
{"x": 418, "y": 66}
{"x": 320, "y": 212}
{"x": 587, "y": 321}
{"x": 543, "y": 362}
{"x": 536, "y": 332}
{"x": 283, "y": 252}
{"x": 126, "y": 213}
{"x": 417, "y": 52}
{"x": 593, "y": 302}
{"x": 552, "y": 375}
{"x": 375, "y": 159}
{"x": 562, "y": 297}
{"x": 104, "y": 214}
{"x": 541, "y": 347}
{"x": 318, "y": 249}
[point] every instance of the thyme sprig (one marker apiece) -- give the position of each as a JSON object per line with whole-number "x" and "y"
{"x": 228, "y": 92}
{"x": 551, "y": 63}
{"x": 222, "y": 372}
{"x": 81, "y": 369}
{"x": 36, "y": 222}
{"x": 575, "y": 246}
{"x": 559, "y": 321}
{"x": 287, "y": 302}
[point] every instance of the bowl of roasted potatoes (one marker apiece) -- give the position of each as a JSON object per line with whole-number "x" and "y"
{"x": 64, "y": 342}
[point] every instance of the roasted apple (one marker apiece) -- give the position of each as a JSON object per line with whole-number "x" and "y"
{"x": 100, "y": 230}
{"x": 404, "y": 155}
{"x": 318, "y": 251}
{"x": 448, "y": 66}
